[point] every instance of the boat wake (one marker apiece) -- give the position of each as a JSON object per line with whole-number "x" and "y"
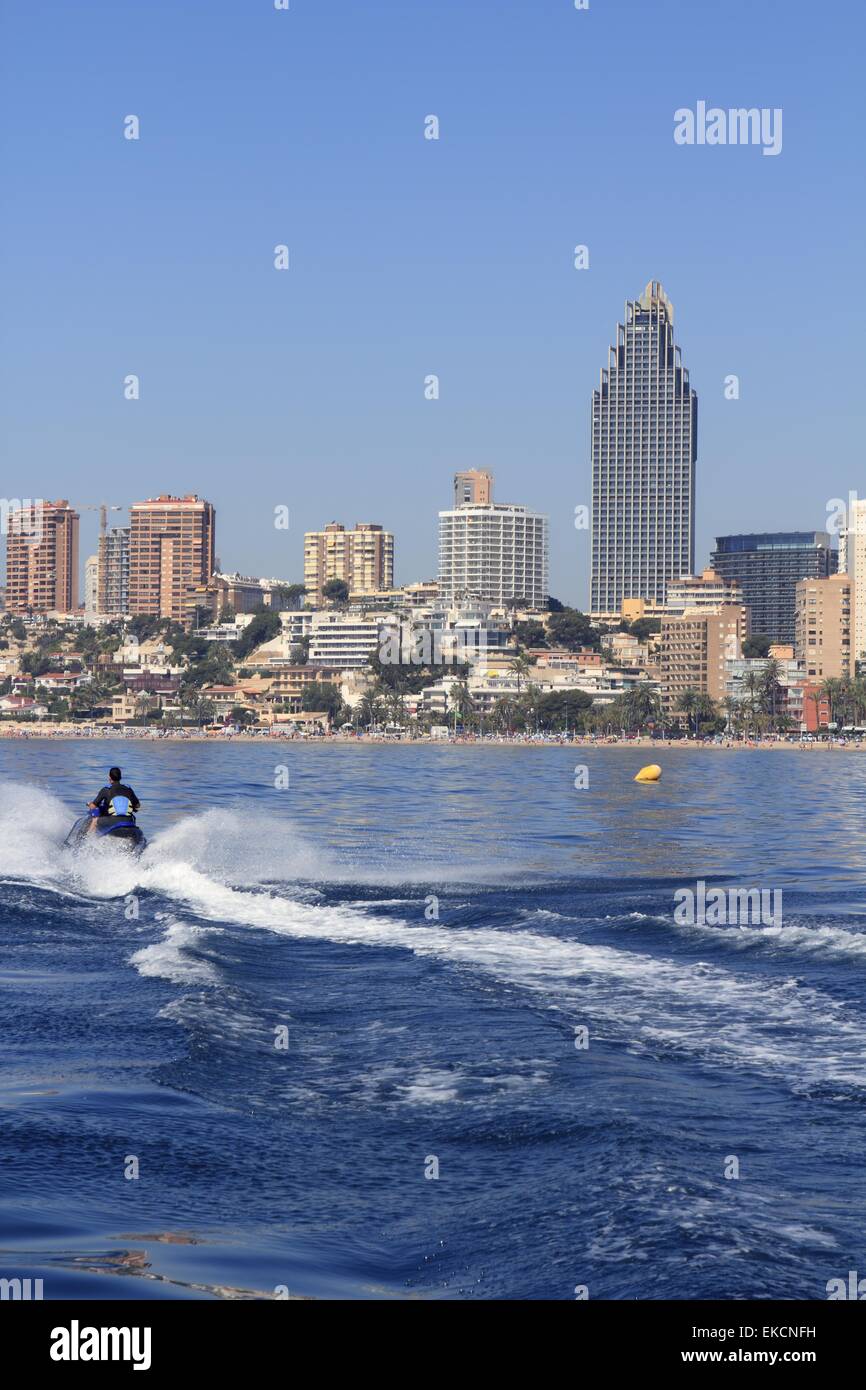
{"x": 223, "y": 874}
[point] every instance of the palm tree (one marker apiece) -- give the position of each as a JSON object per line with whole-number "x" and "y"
{"x": 706, "y": 710}
{"x": 460, "y": 699}
{"x": 830, "y": 691}
{"x": 370, "y": 707}
{"x": 396, "y": 706}
{"x": 858, "y": 697}
{"x": 640, "y": 705}
{"x": 734, "y": 711}
{"x": 770, "y": 687}
{"x": 687, "y": 704}
{"x": 521, "y": 666}
{"x": 505, "y": 712}
{"x": 205, "y": 711}
{"x": 142, "y": 704}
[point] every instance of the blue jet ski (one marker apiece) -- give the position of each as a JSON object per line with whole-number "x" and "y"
{"x": 122, "y": 829}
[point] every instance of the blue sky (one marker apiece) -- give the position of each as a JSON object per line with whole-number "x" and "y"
{"x": 411, "y": 257}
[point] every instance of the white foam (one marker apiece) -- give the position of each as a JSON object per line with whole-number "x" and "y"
{"x": 169, "y": 959}
{"x": 639, "y": 999}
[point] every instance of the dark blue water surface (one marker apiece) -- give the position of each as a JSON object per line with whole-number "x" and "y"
{"x": 417, "y": 1040}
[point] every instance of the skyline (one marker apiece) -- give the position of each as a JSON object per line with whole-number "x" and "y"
{"x": 379, "y": 547}
{"x": 411, "y": 257}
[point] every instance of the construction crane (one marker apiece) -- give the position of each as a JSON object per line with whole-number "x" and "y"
{"x": 103, "y": 508}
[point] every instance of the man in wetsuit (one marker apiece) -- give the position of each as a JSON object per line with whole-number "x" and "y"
{"x": 117, "y": 799}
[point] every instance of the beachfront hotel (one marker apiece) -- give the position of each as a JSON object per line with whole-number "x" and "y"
{"x": 42, "y": 558}
{"x": 171, "y": 555}
{"x": 362, "y": 558}
{"x": 694, "y": 648}
{"x": 644, "y": 446}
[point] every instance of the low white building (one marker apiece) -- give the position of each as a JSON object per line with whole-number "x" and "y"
{"x": 344, "y": 640}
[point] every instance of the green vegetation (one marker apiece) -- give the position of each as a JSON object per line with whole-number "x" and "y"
{"x": 264, "y": 626}
{"x": 758, "y": 646}
{"x": 336, "y": 593}
{"x": 572, "y": 629}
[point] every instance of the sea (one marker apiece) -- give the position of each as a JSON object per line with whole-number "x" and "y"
{"x": 418, "y": 1022}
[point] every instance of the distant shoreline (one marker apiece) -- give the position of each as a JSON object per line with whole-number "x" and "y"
{"x": 60, "y": 734}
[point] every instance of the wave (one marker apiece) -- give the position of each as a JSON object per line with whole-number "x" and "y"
{"x": 221, "y": 868}
{"x": 170, "y": 958}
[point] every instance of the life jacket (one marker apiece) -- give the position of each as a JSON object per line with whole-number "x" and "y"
{"x": 120, "y": 806}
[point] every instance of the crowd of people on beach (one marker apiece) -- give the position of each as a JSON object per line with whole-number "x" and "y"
{"x": 236, "y": 733}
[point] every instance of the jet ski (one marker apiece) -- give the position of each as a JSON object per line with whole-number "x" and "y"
{"x": 123, "y": 829}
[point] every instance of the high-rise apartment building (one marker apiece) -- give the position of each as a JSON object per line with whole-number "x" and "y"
{"x": 171, "y": 555}
{"x": 644, "y": 446}
{"x": 694, "y": 647}
{"x": 113, "y": 596}
{"x": 363, "y": 558}
{"x": 474, "y": 486}
{"x": 767, "y": 566}
{"x": 852, "y": 561}
{"x": 42, "y": 558}
{"x": 823, "y": 627}
{"x": 496, "y": 553}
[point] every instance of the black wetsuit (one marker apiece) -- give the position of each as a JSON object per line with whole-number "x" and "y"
{"x": 105, "y": 803}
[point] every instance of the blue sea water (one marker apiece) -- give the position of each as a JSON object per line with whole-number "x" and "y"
{"x": 431, "y": 926}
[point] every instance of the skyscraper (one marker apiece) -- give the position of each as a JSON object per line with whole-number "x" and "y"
{"x": 171, "y": 555}
{"x": 644, "y": 446}
{"x": 114, "y": 571}
{"x": 42, "y": 558}
{"x": 494, "y": 553}
{"x": 852, "y": 561}
{"x": 767, "y": 567}
{"x": 362, "y": 558}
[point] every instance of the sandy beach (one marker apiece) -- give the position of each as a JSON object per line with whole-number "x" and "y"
{"x": 74, "y": 733}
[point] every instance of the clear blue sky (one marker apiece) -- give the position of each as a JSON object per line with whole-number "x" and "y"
{"x": 411, "y": 257}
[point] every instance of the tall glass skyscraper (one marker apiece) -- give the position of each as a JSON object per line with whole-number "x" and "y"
{"x": 644, "y": 446}
{"x": 767, "y": 566}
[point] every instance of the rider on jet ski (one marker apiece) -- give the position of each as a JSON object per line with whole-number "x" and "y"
{"x": 117, "y": 799}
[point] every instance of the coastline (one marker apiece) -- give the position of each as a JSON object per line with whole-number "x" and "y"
{"x": 65, "y": 733}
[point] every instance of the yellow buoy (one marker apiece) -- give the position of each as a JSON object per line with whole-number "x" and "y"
{"x": 651, "y": 773}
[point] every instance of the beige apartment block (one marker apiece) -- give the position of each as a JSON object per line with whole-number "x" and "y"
{"x": 704, "y": 590}
{"x": 852, "y": 561}
{"x": 823, "y": 625}
{"x": 171, "y": 555}
{"x": 42, "y": 558}
{"x": 694, "y": 647}
{"x": 474, "y": 486}
{"x": 363, "y": 558}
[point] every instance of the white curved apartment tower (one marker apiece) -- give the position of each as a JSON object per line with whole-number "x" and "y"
{"x": 644, "y": 446}
{"x": 494, "y": 552}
